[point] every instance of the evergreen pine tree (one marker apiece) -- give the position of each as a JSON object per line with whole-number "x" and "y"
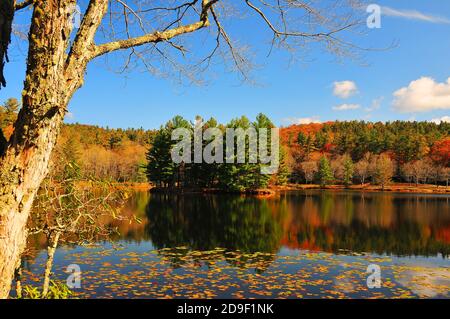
{"x": 348, "y": 171}
{"x": 325, "y": 172}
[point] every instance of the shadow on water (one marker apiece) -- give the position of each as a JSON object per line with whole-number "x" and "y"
{"x": 393, "y": 224}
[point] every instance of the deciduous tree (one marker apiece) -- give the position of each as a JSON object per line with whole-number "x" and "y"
{"x": 382, "y": 170}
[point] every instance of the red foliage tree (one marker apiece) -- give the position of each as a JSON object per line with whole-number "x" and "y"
{"x": 440, "y": 152}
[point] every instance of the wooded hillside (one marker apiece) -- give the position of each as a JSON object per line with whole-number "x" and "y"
{"x": 107, "y": 154}
{"x": 326, "y": 153}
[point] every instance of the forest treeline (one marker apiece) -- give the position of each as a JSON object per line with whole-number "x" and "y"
{"x": 362, "y": 152}
{"x": 331, "y": 153}
{"x": 328, "y": 153}
{"x": 91, "y": 152}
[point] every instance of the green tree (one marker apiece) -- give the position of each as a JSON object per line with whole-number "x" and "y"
{"x": 348, "y": 171}
{"x": 301, "y": 139}
{"x": 160, "y": 168}
{"x": 325, "y": 173}
{"x": 282, "y": 176}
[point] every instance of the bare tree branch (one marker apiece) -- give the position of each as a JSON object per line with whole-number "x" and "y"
{"x": 84, "y": 39}
{"x": 23, "y": 4}
{"x": 157, "y": 36}
{"x": 296, "y": 34}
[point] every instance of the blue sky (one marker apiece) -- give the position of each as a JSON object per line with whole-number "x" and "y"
{"x": 286, "y": 94}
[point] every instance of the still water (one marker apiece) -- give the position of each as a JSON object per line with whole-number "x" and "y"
{"x": 302, "y": 244}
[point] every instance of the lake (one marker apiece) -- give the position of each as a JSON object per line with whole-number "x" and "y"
{"x": 298, "y": 244}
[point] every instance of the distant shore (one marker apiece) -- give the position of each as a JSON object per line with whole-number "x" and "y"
{"x": 392, "y": 188}
{"x": 257, "y": 192}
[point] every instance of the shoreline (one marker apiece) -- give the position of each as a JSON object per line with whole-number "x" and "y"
{"x": 184, "y": 191}
{"x": 272, "y": 191}
{"x": 392, "y": 188}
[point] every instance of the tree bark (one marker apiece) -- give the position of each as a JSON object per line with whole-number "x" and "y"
{"x": 24, "y": 164}
{"x": 52, "y": 78}
{"x": 52, "y": 245}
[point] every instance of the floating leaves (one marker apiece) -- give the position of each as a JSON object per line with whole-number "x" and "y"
{"x": 135, "y": 272}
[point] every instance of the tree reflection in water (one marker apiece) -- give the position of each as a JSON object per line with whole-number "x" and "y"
{"x": 393, "y": 224}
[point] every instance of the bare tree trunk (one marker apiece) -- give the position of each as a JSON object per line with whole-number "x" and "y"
{"x": 52, "y": 245}
{"x": 24, "y": 164}
{"x": 18, "y": 279}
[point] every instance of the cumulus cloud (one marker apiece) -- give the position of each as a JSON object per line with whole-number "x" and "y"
{"x": 413, "y": 15}
{"x": 423, "y": 95}
{"x": 302, "y": 120}
{"x": 346, "y": 107}
{"x": 444, "y": 119}
{"x": 344, "y": 89}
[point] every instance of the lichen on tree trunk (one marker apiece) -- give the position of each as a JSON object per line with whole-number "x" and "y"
{"x": 24, "y": 164}
{"x": 52, "y": 77}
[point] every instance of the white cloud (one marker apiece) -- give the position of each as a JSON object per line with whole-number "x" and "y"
{"x": 376, "y": 104}
{"x": 345, "y": 89}
{"x": 302, "y": 120}
{"x": 413, "y": 15}
{"x": 422, "y": 95}
{"x": 346, "y": 107}
{"x": 444, "y": 119}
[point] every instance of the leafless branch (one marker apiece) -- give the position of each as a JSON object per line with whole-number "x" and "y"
{"x": 23, "y": 4}
{"x": 157, "y": 36}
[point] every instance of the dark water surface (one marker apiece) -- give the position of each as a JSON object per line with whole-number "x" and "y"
{"x": 309, "y": 244}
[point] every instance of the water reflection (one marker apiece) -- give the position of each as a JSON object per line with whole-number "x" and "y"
{"x": 394, "y": 224}
{"x": 207, "y": 222}
{"x": 196, "y": 246}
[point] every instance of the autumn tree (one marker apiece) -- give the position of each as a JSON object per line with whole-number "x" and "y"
{"x": 58, "y": 55}
{"x": 65, "y": 212}
{"x": 419, "y": 170}
{"x": 362, "y": 168}
{"x": 382, "y": 170}
{"x": 439, "y": 173}
{"x": 8, "y": 114}
{"x": 10, "y": 107}
{"x": 445, "y": 175}
{"x": 440, "y": 152}
{"x": 309, "y": 170}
